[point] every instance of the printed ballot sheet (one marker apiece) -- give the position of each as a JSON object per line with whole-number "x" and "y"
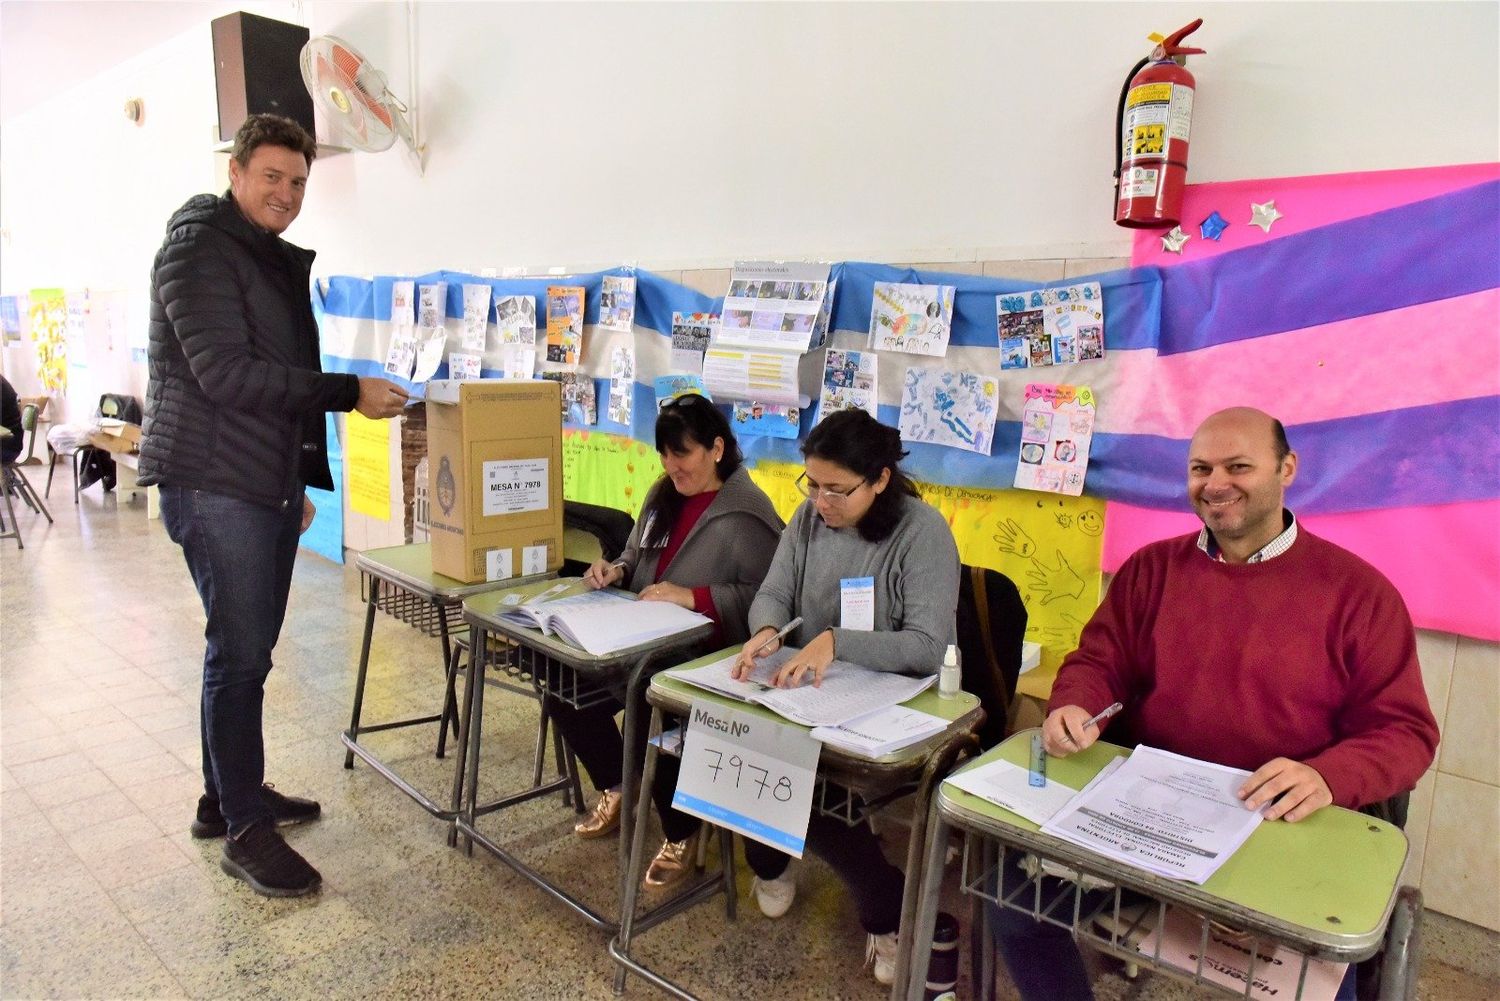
{"x": 1226, "y": 960}
{"x": 848, "y": 691}
{"x": 1171, "y": 815}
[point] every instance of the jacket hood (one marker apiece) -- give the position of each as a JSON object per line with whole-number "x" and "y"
{"x": 740, "y": 495}
{"x": 220, "y": 212}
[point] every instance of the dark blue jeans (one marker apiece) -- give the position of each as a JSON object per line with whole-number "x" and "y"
{"x": 1043, "y": 959}
{"x": 240, "y": 555}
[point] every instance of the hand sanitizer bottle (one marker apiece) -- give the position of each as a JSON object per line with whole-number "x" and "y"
{"x": 950, "y": 676}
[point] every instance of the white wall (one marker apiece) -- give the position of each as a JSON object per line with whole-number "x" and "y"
{"x": 688, "y": 135}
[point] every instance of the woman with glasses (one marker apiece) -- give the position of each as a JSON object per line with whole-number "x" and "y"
{"x": 703, "y": 541}
{"x": 862, "y": 519}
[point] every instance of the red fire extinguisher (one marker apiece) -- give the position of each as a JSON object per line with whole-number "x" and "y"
{"x": 1151, "y": 135}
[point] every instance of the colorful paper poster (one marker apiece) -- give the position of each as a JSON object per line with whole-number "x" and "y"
{"x": 916, "y": 319}
{"x": 476, "y": 316}
{"x": 956, "y": 409}
{"x": 621, "y": 383}
{"x": 564, "y": 323}
{"x": 517, "y": 362}
{"x": 367, "y": 457}
{"x": 738, "y": 374}
{"x": 1050, "y": 326}
{"x": 617, "y": 303}
{"x": 431, "y": 346}
{"x": 580, "y": 405}
{"x": 850, "y": 382}
{"x": 432, "y": 305}
{"x": 515, "y": 318}
{"x": 769, "y": 420}
{"x": 403, "y": 303}
{"x": 691, "y": 333}
{"x": 669, "y": 387}
{"x": 49, "y": 326}
{"x": 75, "y": 329}
{"x": 463, "y": 366}
{"x": 402, "y": 353}
{"x": 10, "y": 318}
{"x": 1057, "y": 425}
{"x": 772, "y": 304}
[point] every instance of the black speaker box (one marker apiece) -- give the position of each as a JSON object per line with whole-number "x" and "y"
{"x": 256, "y": 71}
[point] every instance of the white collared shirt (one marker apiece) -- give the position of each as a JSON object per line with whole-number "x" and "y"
{"x": 1269, "y": 551}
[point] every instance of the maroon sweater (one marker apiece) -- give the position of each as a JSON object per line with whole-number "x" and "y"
{"x": 1309, "y": 656}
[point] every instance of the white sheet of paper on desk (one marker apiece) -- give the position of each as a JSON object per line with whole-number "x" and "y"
{"x": 881, "y": 732}
{"x": 848, "y": 691}
{"x": 1163, "y": 812}
{"x": 1008, "y": 785}
{"x": 1227, "y": 962}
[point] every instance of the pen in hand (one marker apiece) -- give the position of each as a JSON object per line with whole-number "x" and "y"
{"x": 1093, "y": 720}
{"x": 748, "y": 664}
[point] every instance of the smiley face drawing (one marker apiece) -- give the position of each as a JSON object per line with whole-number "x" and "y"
{"x": 1090, "y": 524}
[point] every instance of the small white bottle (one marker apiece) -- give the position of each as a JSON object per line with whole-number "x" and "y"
{"x": 950, "y": 675}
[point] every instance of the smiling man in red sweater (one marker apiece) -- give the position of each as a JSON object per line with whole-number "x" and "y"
{"x": 1253, "y": 644}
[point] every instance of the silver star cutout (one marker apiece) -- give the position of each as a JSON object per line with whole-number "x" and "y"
{"x": 1173, "y": 242}
{"x": 1263, "y": 215}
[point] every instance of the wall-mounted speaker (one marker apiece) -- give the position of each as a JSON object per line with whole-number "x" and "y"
{"x": 257, "y": 71}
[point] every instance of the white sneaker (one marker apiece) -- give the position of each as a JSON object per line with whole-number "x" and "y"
{"x": 881, "y": 950}
{"x": 774, "y": 896}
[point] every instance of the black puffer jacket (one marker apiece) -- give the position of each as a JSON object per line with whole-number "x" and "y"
{"x": 237, "y": 394}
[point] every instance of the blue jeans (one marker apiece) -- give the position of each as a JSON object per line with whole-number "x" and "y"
{"x": 240, "y": 555}
{"x": 1043, "y": 959}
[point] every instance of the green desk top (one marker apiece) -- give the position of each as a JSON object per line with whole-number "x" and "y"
{"x": 411, "y": 567}
{"x": 1327, "y": 881}
{"x": 677, "y": 697}
{"x": 484, "y": 610}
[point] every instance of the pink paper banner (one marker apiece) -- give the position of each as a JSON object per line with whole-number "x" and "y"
{"x": 1443, "y": 559}
{"x": 1304, "y": 202}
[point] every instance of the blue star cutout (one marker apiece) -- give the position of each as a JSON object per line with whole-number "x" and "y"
{"x": 1213, "y": 227}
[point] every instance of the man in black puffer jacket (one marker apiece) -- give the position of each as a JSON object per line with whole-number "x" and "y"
{"x": 233, "y": 433}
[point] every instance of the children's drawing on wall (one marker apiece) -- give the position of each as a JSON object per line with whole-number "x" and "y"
{"x": 432, "y": 305}
{"x": 564, "y": 324}
{"x": 579, "y": 403}
{"x": 916, "y": 319}
{"x": 1057, "y": 425}
{"x": 403, "y": 303}
{"x": 515, "y": 319}
{"x": 769, "y": 420}
{"x": 691, "y": 333}
{"x": 462, "y": 365}
{"x": 617, "y": 303}
{"x": 1050, "y": 326}
{"x": 956, "y": 409}
{"x": 670, "y": 387}
{"x": 10, "y": 318}
{"x": 476, "y": 317}
{"x": 850, "y": 382}
{"x": 621, "y": 383}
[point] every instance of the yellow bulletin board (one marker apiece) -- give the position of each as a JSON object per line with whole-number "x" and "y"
{"x": 1047, "y": 544}
{"x": 367, "y": 456}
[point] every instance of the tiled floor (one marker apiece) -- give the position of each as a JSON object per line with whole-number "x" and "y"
{"x": 104, "y": 894}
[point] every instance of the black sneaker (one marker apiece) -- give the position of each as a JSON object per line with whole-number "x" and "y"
{"x": 285, "y": 810}
{"x": 272, "y": 867}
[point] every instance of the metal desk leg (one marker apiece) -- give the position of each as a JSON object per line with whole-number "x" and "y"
{"x": 364, "y": 667}
{"x": 473, "y": 713}
{"x": 928, "y": 891}
{"x": 449, "y": 712}
{"x": 1403, "y": 947}
{"x": 993, "y": 860}
{"x": 630, "y": 876}
{"x": 461, "y": 739}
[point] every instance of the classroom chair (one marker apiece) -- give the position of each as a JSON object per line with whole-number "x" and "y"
{"x": 15, "y": 481}
{"x": 991, "y": 628}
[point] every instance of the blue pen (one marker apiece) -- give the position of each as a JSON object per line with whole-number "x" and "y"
{"x": 1037, "y": 774}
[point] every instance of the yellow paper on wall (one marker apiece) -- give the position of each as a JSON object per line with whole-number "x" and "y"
{"x": 367, "y": 456}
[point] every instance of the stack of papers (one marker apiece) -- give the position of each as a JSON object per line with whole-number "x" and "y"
{"x": 881, "y": 732}
{"x": 847, "y": 693}
{"x": 602, "y": 622}
{"x": 1171, "y": 815}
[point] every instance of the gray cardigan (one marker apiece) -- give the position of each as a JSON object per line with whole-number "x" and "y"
{"x": 916, "y": 588}
{"x": 728, "y": 551}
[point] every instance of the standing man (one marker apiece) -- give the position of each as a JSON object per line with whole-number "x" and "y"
{"x": 233, "y": 433}
{"x": 1251, "y": 643}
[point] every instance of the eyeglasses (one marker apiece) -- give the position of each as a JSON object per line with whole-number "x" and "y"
{"x": 686, "y": 399}
{"x": 835, "y": 498}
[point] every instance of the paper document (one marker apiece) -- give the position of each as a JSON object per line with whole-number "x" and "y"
{"x": 881, "y": 732}
{"x": 1226, "y": 960}
{"x": 1168, "y": 814}
{"x": 1006, "y": 784}
{"x": 602, "y": 622}
{"x": 848, "y": 690}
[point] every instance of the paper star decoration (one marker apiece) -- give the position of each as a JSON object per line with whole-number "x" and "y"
{"x": 1173, "y": 242}
{"x": 1264, "y": 215}
{"x": 1213, "y": 227}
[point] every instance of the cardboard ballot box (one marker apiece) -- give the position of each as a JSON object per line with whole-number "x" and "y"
{"x": 495, "y": 477}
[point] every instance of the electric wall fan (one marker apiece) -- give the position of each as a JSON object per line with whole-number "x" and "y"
{"x": 358, "y": 107}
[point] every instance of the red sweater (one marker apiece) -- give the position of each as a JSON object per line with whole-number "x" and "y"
{"x": 1309, "y": 656}
{"x": 692, "y": 510}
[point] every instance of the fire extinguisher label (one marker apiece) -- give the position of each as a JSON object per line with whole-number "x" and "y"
{"x": 1181, "y": 117}
{"x": 1149, "y": 93}
{"x": 1139, "y": 182}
